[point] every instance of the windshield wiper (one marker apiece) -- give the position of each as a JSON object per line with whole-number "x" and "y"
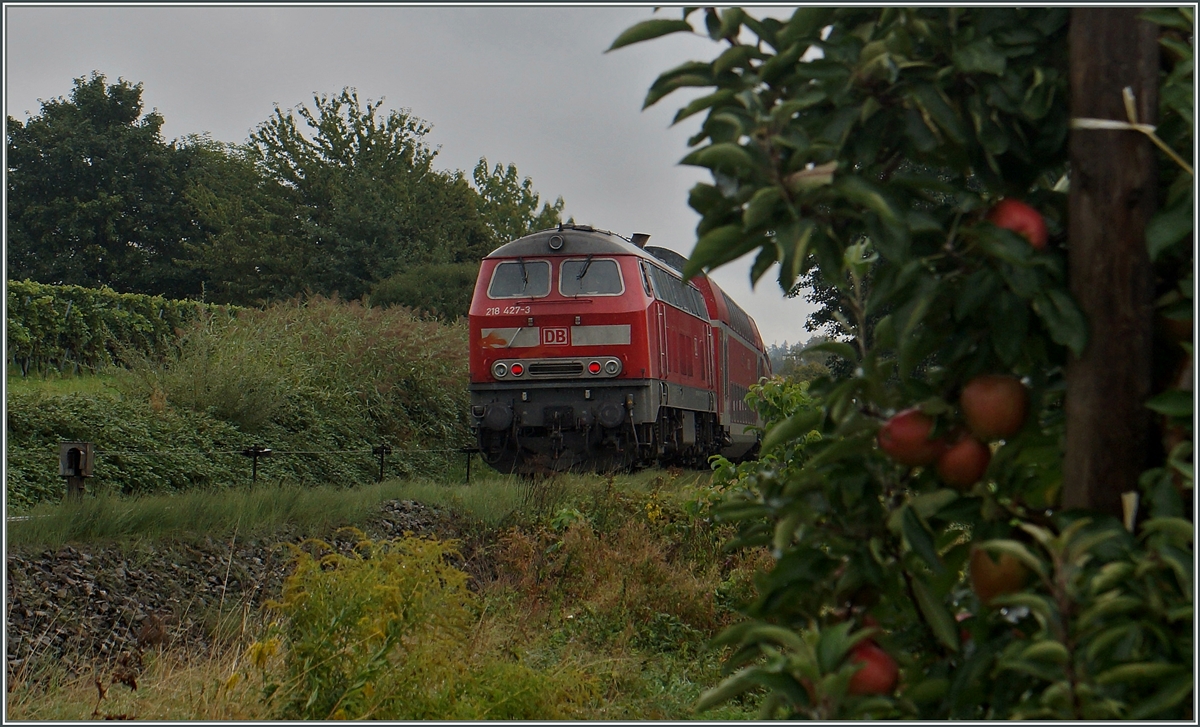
{"x": 524, "y": 274}
{"x": 583, "y": 271}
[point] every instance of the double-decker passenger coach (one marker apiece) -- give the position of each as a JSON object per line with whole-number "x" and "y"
{"x": 589, "y": 352}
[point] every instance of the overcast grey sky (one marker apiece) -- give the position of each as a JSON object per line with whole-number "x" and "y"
{"x": 526, "y": 85}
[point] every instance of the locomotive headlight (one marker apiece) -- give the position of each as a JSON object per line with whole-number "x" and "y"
{"x": 594, "y": 368}
{"x": 500, "y": 369}
{"x": 612, "y": 367}
{"x": 517, "y": 369}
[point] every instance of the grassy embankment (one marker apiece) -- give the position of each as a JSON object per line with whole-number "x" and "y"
{"x": 603, "y": 594}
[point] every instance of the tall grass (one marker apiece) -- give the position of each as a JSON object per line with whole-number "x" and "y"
{"x": 264, "y": 508}
{"x": 490, "y": 498}
{"x": 369, "y": 372}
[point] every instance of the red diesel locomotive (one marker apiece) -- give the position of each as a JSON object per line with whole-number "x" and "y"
{"x": 589, "y": 352}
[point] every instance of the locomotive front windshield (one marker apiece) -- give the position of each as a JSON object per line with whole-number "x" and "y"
{"x": 590, "y": 277}
{"x": 520, "y": 279}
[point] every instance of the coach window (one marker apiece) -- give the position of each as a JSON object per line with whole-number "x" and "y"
{"x": 590, "y": 276}
{"x": 520, "y": 279}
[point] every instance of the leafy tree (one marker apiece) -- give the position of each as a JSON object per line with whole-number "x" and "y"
{"x": 876, "y": 164}
{"x": 443, "y": 290}
{"x": 798, "y": 363}
{"x": 509, "y": 204}
{"x": 252, "y": 248}
{"x": 362, "y": 185}
{"x": 94, "y": 194}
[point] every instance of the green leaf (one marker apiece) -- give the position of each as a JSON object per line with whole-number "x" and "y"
{"x": 725, "y": 156}
{"x": 718, "y": 247}
{"x": 1017, "y": 550}
{"x": 928, "y": 691}
{"x": 980, "y": 57}
{"x": 928, "y": 504}
{"x": 1173, "y": 403}
{"x": 1008, "y": 319}
{"x": 770, "y": 71}
{"x": 767, "y": 257}
{"x": 1113, "y": 606}
{"x": 806, "y": 24}
{"x": 1169, "y": 226}
{"x": 936, "y": 615}
{"x": 942, "y": 113}
{"x": 1170, "y": 17}
{"x": 833, "y": 645}
{"x": 791, "y": 429}
{"x": 859, "y": 191}
{"x": 793, "y": 240}
{"x": 1178, "y": 528}
{"x": 692, "y": 73}
{"x": 733, "y": 57}
{"x": 919, "y": 540}
{"x": 760, "y": 207}
{"x": 731, "y": 22}
{"x": 1033, "y": 668}
{"x": 1145, "y": 671}
{"x": 775, "y": 634}
{"x": 1063, "y": 319}
{"x": 1047, "y": 650}
{"x": 1110, "y": 575}
{"x": 743, "y": 681}
{"x": 702, "y": 103}
{"x": 649, "y": 29}
{"x": 1174, "y": 691}
{"x": 837, "y": 348}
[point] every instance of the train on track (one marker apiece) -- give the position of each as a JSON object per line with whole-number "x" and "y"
{"x": 588, "y": 352}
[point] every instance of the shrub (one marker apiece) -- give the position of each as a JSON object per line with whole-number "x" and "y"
{"x": 384, "y": 632}
{"x": 36, "y": 422}
{"x": 321, "y": 382}
{"x": 444, "y": 290}
{"x": 61, "y": 327}
{"x": 610, "y": 583}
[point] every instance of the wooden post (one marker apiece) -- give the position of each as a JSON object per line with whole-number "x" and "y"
{"x": 1113, "y": 189}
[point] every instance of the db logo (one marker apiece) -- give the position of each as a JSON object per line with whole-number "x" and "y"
{"x": 554, "y": 336}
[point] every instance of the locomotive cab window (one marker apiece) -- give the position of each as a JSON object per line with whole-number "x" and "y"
{"x": 590, "y": 276}
{"x": 520, "y": 279}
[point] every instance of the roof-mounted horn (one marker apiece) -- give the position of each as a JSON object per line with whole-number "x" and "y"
{"x": 639, "y": 239}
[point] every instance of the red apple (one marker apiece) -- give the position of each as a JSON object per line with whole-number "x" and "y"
{"x": 1015, "y": 215}
{"x": 991, "y": 578}
{"x": 964, "y": 462}
{"x": 994, "y": 406}
{"x": 878, "y": 673}
{"x": 905, "y": 438}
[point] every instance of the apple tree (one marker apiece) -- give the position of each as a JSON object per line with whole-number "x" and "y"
{"x": 930, "y": 558}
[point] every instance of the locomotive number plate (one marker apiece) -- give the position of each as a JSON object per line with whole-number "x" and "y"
{"x": 509, "y": 310}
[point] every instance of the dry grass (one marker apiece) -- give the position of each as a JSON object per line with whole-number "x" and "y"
{"x": 170, "y": 685}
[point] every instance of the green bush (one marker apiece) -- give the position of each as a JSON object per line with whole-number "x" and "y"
{"x": 320, "y": 382}
{"x": 37, "y": 422}
{"x": 66, "y": 327}
{"x": 323, "y": 375}
{"x": 385, "y": 632}
{"x": 444, "y": 290}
